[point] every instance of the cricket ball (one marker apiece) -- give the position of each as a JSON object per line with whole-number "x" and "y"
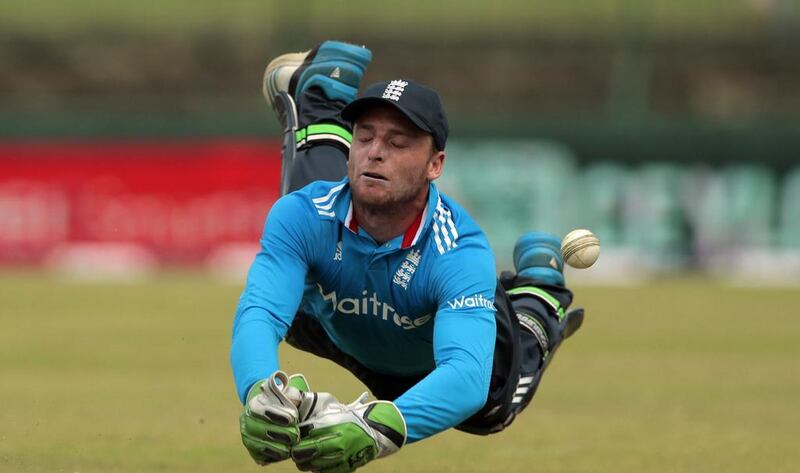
{"x": 580, "y": 248}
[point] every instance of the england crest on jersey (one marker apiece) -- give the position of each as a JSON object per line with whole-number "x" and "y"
{"x": 402, "y": 277}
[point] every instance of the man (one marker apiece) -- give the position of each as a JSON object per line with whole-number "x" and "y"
{"x": 386, "y": 276}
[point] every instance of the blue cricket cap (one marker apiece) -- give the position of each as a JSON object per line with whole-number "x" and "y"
{"x": 420, "y": 104}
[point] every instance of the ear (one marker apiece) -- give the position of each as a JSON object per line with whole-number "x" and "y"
{"x": 435, "y": 165}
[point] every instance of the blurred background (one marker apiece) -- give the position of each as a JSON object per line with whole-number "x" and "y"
{"x": 138, "y": 161}
{"x": 671, "y": 129}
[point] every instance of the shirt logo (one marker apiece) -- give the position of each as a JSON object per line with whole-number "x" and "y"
{"x": 370, "y": 305}
{"x": 468, "y": 302}
{"x": 338, "y": 255}
{"x": 402, "y": 277}
{"x": 394, "y": 90}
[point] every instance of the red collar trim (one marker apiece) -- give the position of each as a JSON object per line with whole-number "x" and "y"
{"x": 412, "y": 233}
{"x": 353, "y": 224}
{"x": 350, "y": 220}
{"x": 409, "y": 237}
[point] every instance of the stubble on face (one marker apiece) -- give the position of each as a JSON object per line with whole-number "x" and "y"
{"x": 394, "y": 200}
{"x": 388, "y": 165}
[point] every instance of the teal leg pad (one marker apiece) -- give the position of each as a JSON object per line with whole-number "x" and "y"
{"x": 537, "y": 255}
{"x": 333, "y": 89}
{"x": 336, "y": 67}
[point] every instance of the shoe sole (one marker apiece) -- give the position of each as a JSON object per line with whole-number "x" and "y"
{"x": 278, "y": 74}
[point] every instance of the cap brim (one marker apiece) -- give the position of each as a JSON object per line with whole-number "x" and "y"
{"x": 354, "y": 109}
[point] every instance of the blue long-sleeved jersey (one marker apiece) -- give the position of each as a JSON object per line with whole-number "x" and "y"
{"x": 420, "y": 303}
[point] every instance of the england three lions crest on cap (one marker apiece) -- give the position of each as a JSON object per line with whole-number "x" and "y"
{"x": 394, "y": 90}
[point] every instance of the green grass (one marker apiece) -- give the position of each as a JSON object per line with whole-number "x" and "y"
{"x": 677, "y": 376}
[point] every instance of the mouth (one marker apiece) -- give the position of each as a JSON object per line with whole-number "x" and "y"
{"x": 374, "y": 175}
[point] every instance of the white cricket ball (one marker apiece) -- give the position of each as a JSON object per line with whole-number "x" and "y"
{"x": 580, "y": 248}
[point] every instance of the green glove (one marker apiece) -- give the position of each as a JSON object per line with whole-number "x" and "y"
{"x": 268, "y": 422}
{"x": 341, "y": 438}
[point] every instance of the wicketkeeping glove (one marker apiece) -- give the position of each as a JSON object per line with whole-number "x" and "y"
{"x": 274, "y": 408}
{"x": 341, "y": 437}
{"x": 268, "y": 422}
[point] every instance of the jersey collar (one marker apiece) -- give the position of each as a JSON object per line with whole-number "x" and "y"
{"x": 344, "y": 212}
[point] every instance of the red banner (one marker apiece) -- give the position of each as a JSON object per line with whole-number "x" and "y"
{"x": 177, "y": 200}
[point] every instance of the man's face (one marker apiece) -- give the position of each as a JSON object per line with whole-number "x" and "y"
{"x": 391, "y": 160}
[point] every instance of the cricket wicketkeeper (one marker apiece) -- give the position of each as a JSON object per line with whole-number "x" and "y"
{"x": 364, "y": 262}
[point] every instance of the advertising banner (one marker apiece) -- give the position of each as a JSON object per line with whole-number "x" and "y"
{"x": 167, "y": 201}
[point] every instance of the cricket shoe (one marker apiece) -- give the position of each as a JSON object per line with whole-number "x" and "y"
{"x": 334, "y": 66}
{"x": 537, "y": 255}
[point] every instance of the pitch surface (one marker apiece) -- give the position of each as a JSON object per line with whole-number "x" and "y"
{"x": 676, "y": 376}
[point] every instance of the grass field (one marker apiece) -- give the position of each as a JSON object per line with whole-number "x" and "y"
{"x": 677, "y": 376}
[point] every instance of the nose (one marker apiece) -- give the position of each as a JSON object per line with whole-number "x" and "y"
{"x": 375, "y": 151}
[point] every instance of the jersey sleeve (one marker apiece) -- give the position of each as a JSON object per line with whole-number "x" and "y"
{"x": 463, "y": 344}
{"x": 272, "y": 293}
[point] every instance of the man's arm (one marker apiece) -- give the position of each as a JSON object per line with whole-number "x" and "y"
{"x": 272, "y": 294}
{"x": 463, "y": 344}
